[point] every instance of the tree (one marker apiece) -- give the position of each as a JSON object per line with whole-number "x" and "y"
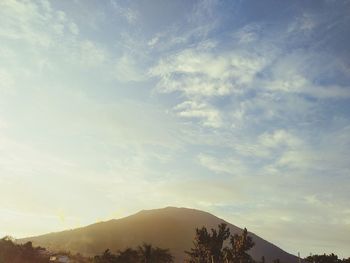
{"x": 106, "y": 257}
{"x": 145, "y": 253}
{"x": 162, "y": 255}
{"x": 240, "y": 245}
{"x": 200, "y": 252}
{"x": 149, "y": 254}
{"x": 20, "y": 253}
{"x": 331, "y": 258}
{"x": 208, "y": 246}
{"x": 129, "y": 255}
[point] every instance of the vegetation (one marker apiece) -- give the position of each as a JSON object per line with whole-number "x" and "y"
{"x": 331, "y": 258}
{"x": 20, "y": 253}
{"x": 144, "y": 254}
{"x": 208, "y": 247}
{"x": 10, "y": 252}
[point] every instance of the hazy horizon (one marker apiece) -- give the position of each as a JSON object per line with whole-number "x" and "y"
{"x": 237, "y": 108}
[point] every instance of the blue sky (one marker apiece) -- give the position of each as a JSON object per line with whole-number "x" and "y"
{"x": 239, "y": 108}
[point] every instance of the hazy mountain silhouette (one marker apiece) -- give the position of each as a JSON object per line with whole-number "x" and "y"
{"x": 170, "y": 227}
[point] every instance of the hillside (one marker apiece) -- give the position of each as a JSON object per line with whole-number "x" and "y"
{"x": 169, "y": 227}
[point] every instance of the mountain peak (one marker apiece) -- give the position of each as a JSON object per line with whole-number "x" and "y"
{"x": 169, "y": 227}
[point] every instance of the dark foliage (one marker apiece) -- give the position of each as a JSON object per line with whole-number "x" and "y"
{"x": 331, "y": 258}
{"x": 208, "y": 247}
{"x": 128, "y": 255}
{"x": 21, "y": 253}
{"x": 239, "y": 247}
{"x": 144, "y": 254}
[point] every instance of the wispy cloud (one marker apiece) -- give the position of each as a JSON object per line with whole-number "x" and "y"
{"x": 201, "y": 73}
{"x": 207, "y": 115}
{"x": 126, "y": 12}
{"x": 231, "y": 166}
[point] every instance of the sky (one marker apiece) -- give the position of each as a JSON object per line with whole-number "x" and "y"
{"x": 238, "y": 108}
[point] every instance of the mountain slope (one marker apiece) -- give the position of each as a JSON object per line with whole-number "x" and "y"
{"x": 170, "y": 227}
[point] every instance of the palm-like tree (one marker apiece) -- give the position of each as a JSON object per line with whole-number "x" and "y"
{"x": 149, "y": 254}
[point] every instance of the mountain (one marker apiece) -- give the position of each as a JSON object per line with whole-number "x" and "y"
{"x": 170, "y": 227}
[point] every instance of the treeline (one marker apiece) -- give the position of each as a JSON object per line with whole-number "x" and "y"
{"x": 10, "y": 252}
{"x": 331, "y": 258}
{"x": 143, "y": 254}
{"x": 208, "y": 247}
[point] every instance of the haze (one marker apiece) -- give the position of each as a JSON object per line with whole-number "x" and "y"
{"x": 238, "y": 108}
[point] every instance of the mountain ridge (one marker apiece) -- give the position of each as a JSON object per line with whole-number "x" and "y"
{"x": 168, "y": 227}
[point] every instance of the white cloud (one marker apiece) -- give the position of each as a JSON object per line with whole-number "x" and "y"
{"x": 86, "y": 53}
{"x": 207, "y": 115}
{"x": 302, "y": 24}
{"x": 74, "y": 29}
{"x": 268, "y": 145}
{"x": 297, "y": 73}
{"x": 127, "y": 13}
{"x": 201, "y": 73}
{"x": 153, "y": 41}
{"x": 126, "y": 69}
{"x": 34, "y": 23}
{"x": 295, "y": 83}
{"x": 278, "y": 138}
{"x": 232, "y": 166}
{"x": 247, "y": 34}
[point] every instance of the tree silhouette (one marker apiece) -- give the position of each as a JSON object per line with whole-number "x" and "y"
{"x": 149, "y": 254}
{"x": 145, "y": 253}
{"x": 106, "y": 257}
{"x": 331, "y": 258}
{"x": 240, "y": 245}
{"x": 162, "y": 255}
{"x": 129, "y": 255}
{"x": 20, "y": 253}
{"x": 208, "y": 246}
{"x": 200, "y": 252}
